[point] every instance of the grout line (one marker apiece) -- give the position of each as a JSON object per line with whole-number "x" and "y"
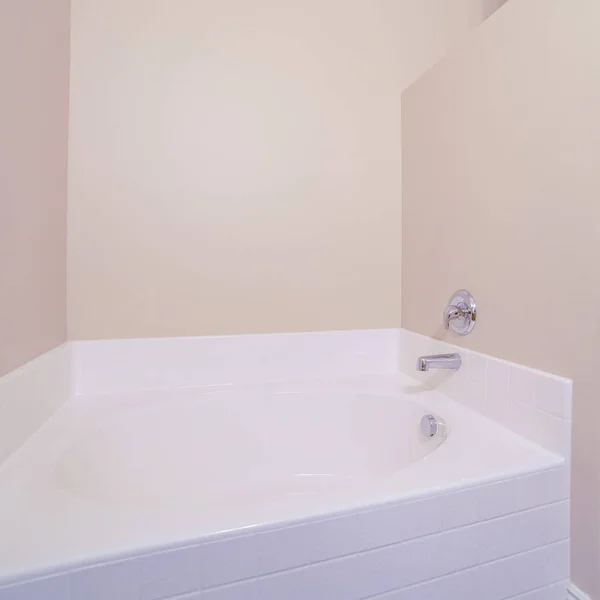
{"x": 382, "y": 595}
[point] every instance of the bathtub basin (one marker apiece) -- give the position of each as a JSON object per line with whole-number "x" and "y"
{"x": 228, "y": 447}
{"x": 122, "y": 475}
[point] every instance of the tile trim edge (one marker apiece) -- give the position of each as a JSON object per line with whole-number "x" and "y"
{"x": 576, "y": 594}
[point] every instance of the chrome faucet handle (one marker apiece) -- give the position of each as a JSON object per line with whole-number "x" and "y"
{"x": 450, "y": 314}
{"x": 461, "y": 313}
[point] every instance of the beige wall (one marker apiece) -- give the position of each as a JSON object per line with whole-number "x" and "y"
{"x": 501, "y": 193}
{"x": 235, "y": 166}
{"x": 34, "y": 81}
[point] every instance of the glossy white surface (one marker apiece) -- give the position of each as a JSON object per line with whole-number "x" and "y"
{"x": 230, "y": 446}
{"x": 111, "y": 476}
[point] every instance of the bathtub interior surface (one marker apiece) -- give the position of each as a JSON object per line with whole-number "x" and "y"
{"x": 232, "y": 446}
{"x": 121, "y": 474}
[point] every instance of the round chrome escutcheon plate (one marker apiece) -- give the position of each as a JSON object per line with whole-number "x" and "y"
{"x": 463, "y": 300}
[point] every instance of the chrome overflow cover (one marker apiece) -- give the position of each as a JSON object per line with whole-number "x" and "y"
{"x": 429, "y": 425}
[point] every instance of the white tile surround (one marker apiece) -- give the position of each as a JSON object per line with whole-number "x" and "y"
{"x": 534, "y": 404}
{"x": 494, "y": 541}
{"x": 518, "y": 544}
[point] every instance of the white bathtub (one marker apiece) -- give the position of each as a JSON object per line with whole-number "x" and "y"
{"x": 221, "y": 449}
{"x": 323, "y": 489}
